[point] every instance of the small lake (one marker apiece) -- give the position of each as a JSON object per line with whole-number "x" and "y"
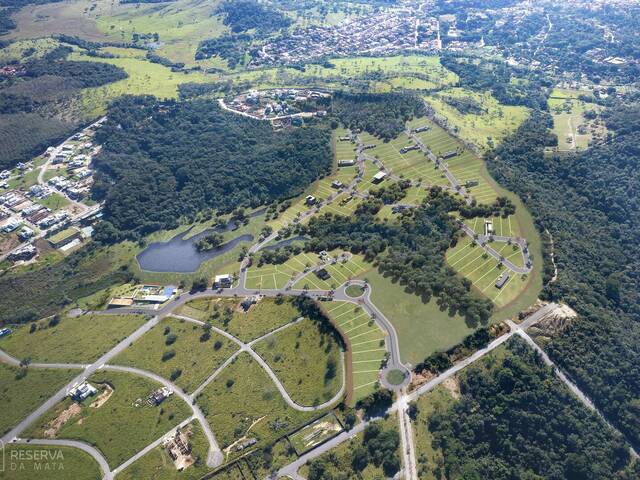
{"x": 180, "y": 255}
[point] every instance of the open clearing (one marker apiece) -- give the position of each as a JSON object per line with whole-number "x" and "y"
{"x": 422, "y": 327}
{"x": 194, "y": 358}
{"x": 243, "y": 403}
{"x": 306, "y": 358}
{"x": 69, "y": 463}
{"x": 74, "y": 340}
{"x": 124, "y": 425}
{"x": 20, "y": 396}
{"x": 275, "y": 276}
{"x": 484, "y": 129}
{"x": 573, "y": 129}
{"x": 315, "y": 433}
{"x": 157, "y": 465}
{"x": 263, "y": 317}
{"x": 367, "y": 345}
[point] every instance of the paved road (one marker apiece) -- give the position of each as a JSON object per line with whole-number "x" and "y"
{"x": 97, "y": 456}
{"x": 407, "y": 439}
{"x": 483, "y": 241}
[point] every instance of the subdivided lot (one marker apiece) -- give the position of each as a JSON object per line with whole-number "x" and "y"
{"x": 488, "y": 126}
{"x": 339, "y": 272}
{"x": 428, "y": 456}
{"x": 74, "y": 340}
{"x": 48, "y": 462}
{"x": 367, "y": 345}
{"x": 180, "y": 351}
{"x": 343, "y": 149}
{"x": 275, "y": 276}
{"x": 22, "y": 393}
{"x": 118, "y": 420}
{"x": 422, "y": 327}
{"x": 259, "y": 463}
{"x": 472, "y": 262}
{"x": 158, "y": 465}
{"x": 225, "y": 313}
{"x": 504, "y": 227}
{"x": 243, "y": 403}
{"x": 306, "y": 359}
{"x": 315, "y": 433}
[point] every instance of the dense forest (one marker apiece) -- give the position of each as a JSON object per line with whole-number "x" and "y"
{"x": 383, "y": 115}
{"x": 588, "y": 202}
{"x": 32, "y": 106}
{"x": 231, "y": 48}
{"x": 411, "y": 252}
{"x": 243, "y": 15}
{"x": 161, "y": 162}
{"x": 515, "y": 420}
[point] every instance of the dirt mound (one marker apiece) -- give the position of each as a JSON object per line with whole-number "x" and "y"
{"x": 56, "y": 424}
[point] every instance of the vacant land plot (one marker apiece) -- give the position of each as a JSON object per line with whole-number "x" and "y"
{"x": 315, "y": 433}
{"x": 427, "y": 457}
{"x": 65, "y": 463}
{"x": 121, "y": 426}
{"x": 367, "y": 345}
{"x": 573, "y": 129}
{"x": 158, "y": 465}
{"x": 20, "y": 395}
{"x": 74, "y": 340}
{"x": 196, "y": 354}
{"x": 339, "y": 272}
{"x": 274, "y": 276}
{"x": 267, "y": 315}
{"x": 243, "y": 403}
{"x": 504, "y": 227}
{"x": 486, "y": 123}
{"x": 421, "y": 326}
{"x": 340, "y": 459}
{"x": 306, "y": 358}
{"x": 472, "y": 262}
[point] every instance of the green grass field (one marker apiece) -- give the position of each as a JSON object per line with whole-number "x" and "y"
{"x": 367, "y": 345}
{"x": 74, "y": 340}
{"x": 306, "y": 360}
{"x": 58, "y": 463}
{"x": 194, "y": 358}
{"x": 340, "y": 272}
{"x": 55, "y": 201}
{"x": 315, "y": 433}
{"x": 483, "y": 129}
{"x": 124, "y": 424}
{"x": 157, "y": 465}
{"x": 568, "y": 117}
{"x": 267, "y": 315}
{"x": 422, "y": 327}
{"x": 20, "y": 396}
{"x": 243, "y": 402}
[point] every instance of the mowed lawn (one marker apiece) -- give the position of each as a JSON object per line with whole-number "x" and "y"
{"x": 367, "y": 345}
{"x": 307, "y": 360}
{"x": 505, "y": 227}
{"x": 422, "y": 327}
{"x": 472, "y": 262}
{"x": 196, "y": 357}
{"x": 275, "y": 276}
{"x": 340, "y": 272}
{"x": 263, "y": 317}
{"x": 157, "y": 465}
{"x": 74, "y": 340}
{"x": 20, "y": 396}
{"x": 66, "y": 463}
{"x": 244, "y": 401}
{"x": 124, "y": 424}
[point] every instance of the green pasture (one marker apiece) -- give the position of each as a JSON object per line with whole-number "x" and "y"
{"x": 56, "y": 462}
{"x": 195, "y": 358}
{"x": 367, "y": 345}
{"x": 20, "y": 395}
{"x": 300, "y": 356}
{"x": 81, "y": 339}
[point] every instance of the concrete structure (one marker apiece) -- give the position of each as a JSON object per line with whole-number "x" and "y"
{"x": 223, "y": 281}
{"x": 379, "y": 177}
{"x": 82, "y": 391}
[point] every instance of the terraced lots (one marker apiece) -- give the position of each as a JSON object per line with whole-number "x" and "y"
{"x": 339, "y": 272}
{"x": 367, "y": 345}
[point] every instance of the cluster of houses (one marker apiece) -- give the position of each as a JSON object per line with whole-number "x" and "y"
{"x": 381, "y": 33}
{"x": 281, "y": 102}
